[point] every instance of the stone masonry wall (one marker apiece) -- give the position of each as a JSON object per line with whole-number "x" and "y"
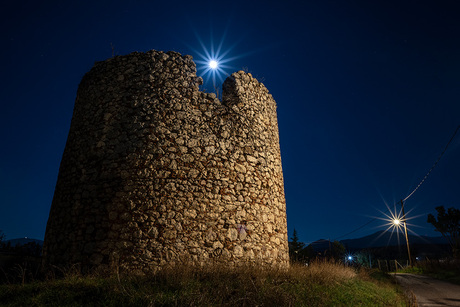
{"x": 156, "y": 172}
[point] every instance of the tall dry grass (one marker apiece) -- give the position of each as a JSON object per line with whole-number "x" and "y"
{"x": 249, "y": 285}
{"x": 319, "y": 284}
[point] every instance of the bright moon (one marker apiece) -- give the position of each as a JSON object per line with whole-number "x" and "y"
{"x": 213, "y": 64}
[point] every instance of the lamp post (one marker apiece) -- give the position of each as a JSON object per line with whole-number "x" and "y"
{"x": 397, "y": 222}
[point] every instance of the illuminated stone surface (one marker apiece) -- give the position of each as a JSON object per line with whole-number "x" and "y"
{"x": 155, "y": 171}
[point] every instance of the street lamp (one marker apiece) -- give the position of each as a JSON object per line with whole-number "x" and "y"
{"x": 397, "y": 222}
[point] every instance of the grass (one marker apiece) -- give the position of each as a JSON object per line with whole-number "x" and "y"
{"x": 320, "y": 284}
{"x": 448, "y": 270}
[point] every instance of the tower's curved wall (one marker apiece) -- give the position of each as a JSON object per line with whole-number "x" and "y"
{"x": 155, "y": 171}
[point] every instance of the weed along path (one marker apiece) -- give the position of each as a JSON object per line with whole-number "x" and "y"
{"x": 429, "y": 291}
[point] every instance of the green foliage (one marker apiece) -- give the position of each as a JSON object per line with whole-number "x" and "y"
{"x": 295, "y": 244}
{"x": 448, "y": 270}
{"x": 363, "y": 258}
{"x": 298, "y": 252}
{"x": 337, "y": 251}
{"x": 448, "y": 224}
{"x": 301, "y": 254}
{"x": 412, "y": 270}
{"x": 308, "y": 253}
{"x": 295, "y": 248}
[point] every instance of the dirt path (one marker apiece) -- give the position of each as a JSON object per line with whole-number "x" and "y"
{"x": 429, "y": 291}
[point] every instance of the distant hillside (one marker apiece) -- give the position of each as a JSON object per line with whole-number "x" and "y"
{"x": 320, "y": 245}
{"x": 387, "y": 238}
{"x": 23, "y": 241}
{"x": 380, "y": 239}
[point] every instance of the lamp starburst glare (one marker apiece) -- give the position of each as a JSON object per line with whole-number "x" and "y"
{"x": 393, "y": 221}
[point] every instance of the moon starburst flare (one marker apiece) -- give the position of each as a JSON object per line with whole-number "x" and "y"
{"x": 213, "y": 63}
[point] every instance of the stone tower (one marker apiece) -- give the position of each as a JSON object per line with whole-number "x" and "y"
{"x": 155, "y": 171}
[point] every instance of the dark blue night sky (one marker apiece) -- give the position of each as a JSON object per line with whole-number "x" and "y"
{"x": 368, "y": 96}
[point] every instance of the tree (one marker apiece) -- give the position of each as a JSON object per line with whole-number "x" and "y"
{"x": 295, "y": 247}
{"x": 2, "y": 236}
{"x": 364, "y": 258}
{"x": 309, "y": 253}
{"x": 448, "y": 224}
{"x": 338, "y": 251}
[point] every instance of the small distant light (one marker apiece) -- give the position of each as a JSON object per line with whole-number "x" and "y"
{"x": 213, "y": 64}
{"x": 396, "y": 222}
{"x": 350, "y": 258}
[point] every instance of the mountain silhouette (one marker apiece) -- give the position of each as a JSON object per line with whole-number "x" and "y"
{"x": 379, "y": 239}
{"x": 387, "y": 238}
